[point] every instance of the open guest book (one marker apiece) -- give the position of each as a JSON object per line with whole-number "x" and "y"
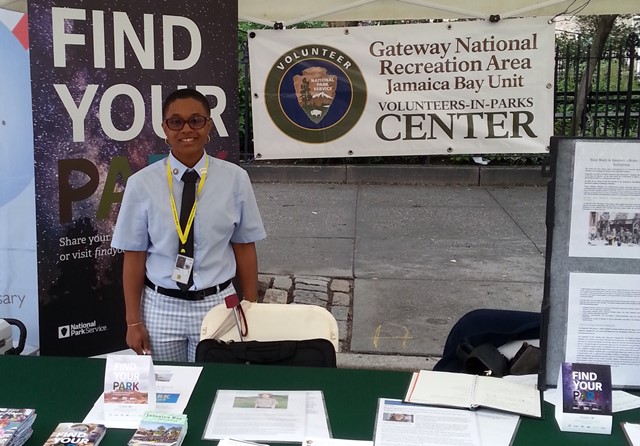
{"x": 472, "y": 391}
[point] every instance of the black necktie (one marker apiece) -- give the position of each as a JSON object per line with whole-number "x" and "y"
{"x": 189, "y": 179}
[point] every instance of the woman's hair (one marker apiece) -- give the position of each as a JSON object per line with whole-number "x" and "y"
{"x": 186, "y": 93}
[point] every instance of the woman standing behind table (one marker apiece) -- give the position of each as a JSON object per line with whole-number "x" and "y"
{"x": 179, "y": 263}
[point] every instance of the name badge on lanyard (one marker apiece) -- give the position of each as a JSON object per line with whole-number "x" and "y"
{"x": 182, "y": 269}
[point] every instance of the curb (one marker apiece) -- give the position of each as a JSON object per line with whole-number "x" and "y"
{"x": 385, "y": 362}
{"x": 503, "y": 176}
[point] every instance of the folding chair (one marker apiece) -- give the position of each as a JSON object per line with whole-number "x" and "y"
{"x": 279, "y": 334}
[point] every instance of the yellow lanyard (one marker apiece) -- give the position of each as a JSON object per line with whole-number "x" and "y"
{"x": 176, "y": 218}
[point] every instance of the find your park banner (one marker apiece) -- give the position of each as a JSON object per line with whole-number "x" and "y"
{"x": 467, "y": 87}
{"x": 100, "y": 71}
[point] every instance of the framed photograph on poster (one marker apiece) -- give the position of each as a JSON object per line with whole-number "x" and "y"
{"x": 591, "y": 305}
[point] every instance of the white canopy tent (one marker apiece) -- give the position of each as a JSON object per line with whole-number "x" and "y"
{"x": 289, "y": 12}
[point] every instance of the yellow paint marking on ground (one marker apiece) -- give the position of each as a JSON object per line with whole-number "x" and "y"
{"x": 377, "y": 337}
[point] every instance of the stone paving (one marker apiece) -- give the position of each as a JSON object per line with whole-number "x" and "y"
{"x": 334, "y": 294}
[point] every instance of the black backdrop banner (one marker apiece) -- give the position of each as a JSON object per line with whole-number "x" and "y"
{"x": 99, "y": 74}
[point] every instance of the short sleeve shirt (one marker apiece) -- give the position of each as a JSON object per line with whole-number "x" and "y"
{"x": 226, "y": 213}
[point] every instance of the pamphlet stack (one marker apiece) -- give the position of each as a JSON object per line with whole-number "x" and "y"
{"x": 75, "y": 434}
{"x": 15, "y": 426}
{"x": 160, "y": 429}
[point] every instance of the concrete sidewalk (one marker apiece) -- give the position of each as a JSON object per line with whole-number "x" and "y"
{"x": 398, "y": 264}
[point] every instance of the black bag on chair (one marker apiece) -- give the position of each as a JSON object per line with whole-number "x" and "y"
{"x": 472, "y": 344}
{"x": 485, "y": 359}
{"x": 303, "y": 353}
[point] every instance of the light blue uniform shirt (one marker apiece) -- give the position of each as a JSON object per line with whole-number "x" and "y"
{"x": 226, "y": 212}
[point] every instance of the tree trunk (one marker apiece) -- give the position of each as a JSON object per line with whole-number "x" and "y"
{"x": 603, "y": 29}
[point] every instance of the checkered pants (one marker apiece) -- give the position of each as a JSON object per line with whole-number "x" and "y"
{"x": 174, "y": 324}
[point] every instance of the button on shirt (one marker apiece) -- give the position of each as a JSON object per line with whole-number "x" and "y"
{"x": 226, "y": 212}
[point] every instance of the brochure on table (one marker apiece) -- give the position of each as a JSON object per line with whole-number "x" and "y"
{"x": 129, "y": 387}
{"x": 586, "y": 402}
{"x": 632, "y": 432}
{"x": 15, "y": 425}
{"x": 160, "y": 429}
{"x": 76, "y": 434}
{"x": 334, "y": 442}
{"x": 621, "y": 400}
{"x": 174, "y": 386}
{"x": 267, "y": 415}
{"x": 402, "y": 424}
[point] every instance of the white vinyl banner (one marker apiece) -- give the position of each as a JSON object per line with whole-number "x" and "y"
{"x": 441, "y": 88}
{"x": 18, "y": 263}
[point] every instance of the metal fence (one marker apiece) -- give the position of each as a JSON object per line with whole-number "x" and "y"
{"x": 613, "y": 101}
{"x": 612, "y": 104}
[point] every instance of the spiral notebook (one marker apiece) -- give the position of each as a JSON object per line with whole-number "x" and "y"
{"x": 465, "y": 391}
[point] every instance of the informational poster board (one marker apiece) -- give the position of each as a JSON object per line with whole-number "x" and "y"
{"x": 591, "y": 305}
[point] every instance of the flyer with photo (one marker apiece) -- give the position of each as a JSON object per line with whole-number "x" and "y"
{"x": 267, "y": 416}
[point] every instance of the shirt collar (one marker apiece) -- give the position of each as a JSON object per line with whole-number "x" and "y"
{"x": 177, "y": 168}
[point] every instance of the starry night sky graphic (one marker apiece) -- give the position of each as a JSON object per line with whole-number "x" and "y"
{"x": 53, "y": 139}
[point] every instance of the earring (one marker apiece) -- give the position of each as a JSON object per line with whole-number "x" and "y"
{"x": 208, "y": 139}
{"x": 166, "y": 141}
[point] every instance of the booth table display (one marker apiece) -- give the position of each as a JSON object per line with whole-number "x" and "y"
{"x": 64, "y": 389}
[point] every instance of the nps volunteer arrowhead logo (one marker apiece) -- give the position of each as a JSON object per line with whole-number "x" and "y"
{"x": 315, "y": 90}
{"x": 315, "y": 93}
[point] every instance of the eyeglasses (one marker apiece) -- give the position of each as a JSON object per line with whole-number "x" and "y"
{"x": 195, "y": 122}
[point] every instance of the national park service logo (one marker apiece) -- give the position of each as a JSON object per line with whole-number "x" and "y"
{"x": 315, "y": 90}
{"x": 315, "y": 93}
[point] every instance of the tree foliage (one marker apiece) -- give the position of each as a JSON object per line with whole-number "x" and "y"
{"x": 595, "y": 82}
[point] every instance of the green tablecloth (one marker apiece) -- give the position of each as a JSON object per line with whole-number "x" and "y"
{"x": 65, "y": 389}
